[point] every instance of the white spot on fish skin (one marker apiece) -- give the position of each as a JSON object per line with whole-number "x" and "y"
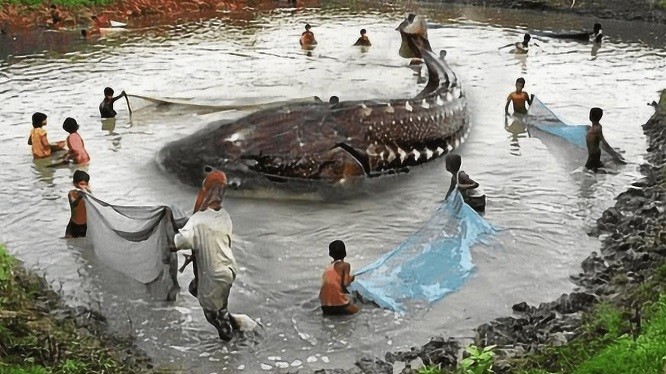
{"x": 381, "y": 123}
{"x": 411, "y": 119}
{"x": 457, "y": 143}
{"x": 418, "y": 118}
{"x": 349, "y": 138}
{"x": 311, "y": 359}
{"x": 363, "y": 105}
{"x": 393, "y": 123}
{"x": 325, "y": 359}
{"x": 391, "y": 154}
{"x": 456, "y": 92}
{"x": 402, "y": 154}
{"x": 296, "y": 363}
{"x": 233, "y": 137}
{"x": 428, "y": 153}
{"x": 241, "y": 367}
{"x": 439, "y": 101}
{"x": 439, "y": 151}
{"x": 424, "y": 104}
{"x": 301, "y": 144}
{"x": 389, "y": 108}
{"x": 449, "y": 147}
{"x": 408, "y": 107}
{"x": 432, "y": 118}
{"x": 266, "y": 367}
{"x": 370, "y": 128}
{"x": 449, "y": 97}
{"x": 282, "y": 365}
{"x": 416, "y": 154}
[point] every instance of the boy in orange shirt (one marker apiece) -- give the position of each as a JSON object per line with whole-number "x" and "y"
{"x": 77, "y": 151}
{"x": 78, "y": 222}
{"x": 518, "y": 98}
{"x": 41, "y": 148}
{"x": 337, "y": 277}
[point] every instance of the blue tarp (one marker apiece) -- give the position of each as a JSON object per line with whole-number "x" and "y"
{"x": 544, "y": 119}
{"x": 431, "y": 263}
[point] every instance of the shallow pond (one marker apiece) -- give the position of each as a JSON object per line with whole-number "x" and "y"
{"x": 537, "y": 195}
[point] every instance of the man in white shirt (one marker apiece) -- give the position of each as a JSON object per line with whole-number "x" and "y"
{"x": 208, "y": 235}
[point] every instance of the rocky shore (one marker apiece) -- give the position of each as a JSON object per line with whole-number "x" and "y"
{"x": 631, "y": 263}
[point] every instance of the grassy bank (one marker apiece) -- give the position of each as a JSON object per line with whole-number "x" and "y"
{"x": 38, "y": 334}
{"x": 627, "y": 337}
{"x": 615, "y": 339}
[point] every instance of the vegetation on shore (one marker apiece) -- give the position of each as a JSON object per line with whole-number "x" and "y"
{"x": 616, "y": 339}
{"x": 38, "y": 334}
{"x": 67, "y": 3}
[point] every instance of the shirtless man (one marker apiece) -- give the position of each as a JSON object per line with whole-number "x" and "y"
{"x": 106, "y": 106}
{"x": 77, "y": 225}
{"x": 307, "y": 38}
{"x": 469, "y": 188}
{"x": 594, "y": 139}
{"x": 518, "y": 98}
{"x": 363, "y": 40}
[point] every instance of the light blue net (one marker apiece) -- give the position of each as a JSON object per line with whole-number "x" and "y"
{"x": 544, "y": 119}
{"x": 431, "y": 263}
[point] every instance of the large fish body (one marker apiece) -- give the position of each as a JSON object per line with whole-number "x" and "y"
{"x": 318, "y": 145}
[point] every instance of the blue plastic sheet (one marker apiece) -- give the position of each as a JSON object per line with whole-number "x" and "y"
{"x": 431, "y": 263}
{"x": 544, "y": 119}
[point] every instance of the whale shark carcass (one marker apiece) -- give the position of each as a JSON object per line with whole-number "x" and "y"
{"x": 313, "y": 146}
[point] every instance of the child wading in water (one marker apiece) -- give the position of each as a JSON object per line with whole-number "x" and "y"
{"x": 106, "y": 106}
{"x": 77, "y": 225}
{"x": 41, "y": 148}
{"x": 77, "y": 151}
{"x": 337, "y": 277}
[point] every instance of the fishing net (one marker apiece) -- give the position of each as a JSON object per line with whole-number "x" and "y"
{"x": 133, "y": 240}
{"x": 431, "y": 263}
{"x": 141, "y": 104}
{"x": 544, "y": 119}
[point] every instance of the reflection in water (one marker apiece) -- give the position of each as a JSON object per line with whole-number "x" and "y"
{"x": 595, "y": 49}
{"x": 518, "y": 130}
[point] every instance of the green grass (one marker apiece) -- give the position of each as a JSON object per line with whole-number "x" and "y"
{"x": 33, "y": 341}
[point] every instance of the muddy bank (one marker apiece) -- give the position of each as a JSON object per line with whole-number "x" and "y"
{"x": 16, "y": 18}
{"x": 629, "y": 10}
{"x": 39, "y": 333}
{"x": 633, "y": 234}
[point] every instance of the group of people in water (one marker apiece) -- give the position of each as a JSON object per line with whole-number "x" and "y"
{"x": 308, "y": 41}
{"x": 594, "y": 138}
{"x": 208, "y": 232}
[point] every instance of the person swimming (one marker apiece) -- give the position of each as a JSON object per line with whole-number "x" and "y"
{"x": 520, "y": 48}
{"x": 363, "y": 40}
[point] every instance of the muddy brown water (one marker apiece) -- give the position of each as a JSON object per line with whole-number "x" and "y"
{"x": 537, "y": 195}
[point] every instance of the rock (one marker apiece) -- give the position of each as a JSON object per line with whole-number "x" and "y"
{"x": 373, "y": 365}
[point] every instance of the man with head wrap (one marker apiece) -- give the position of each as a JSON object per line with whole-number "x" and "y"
{"x": 208, "y": 234}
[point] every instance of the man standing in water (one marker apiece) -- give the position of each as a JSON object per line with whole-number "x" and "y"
{"x": 208, "y": 234}
{"x": 518, "y": 98}
{"x": 594, "y": 138}
{"x": 106, "y": 106}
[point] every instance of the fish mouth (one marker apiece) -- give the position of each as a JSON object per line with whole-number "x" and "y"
{"x": 414, "y": 33}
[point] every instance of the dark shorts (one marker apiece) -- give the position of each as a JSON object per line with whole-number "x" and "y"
{"x": 594, "y": 161}
{"x": 75, "y": 230}
{"x": 338, "y": 310}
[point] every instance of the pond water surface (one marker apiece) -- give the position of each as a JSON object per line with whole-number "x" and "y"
{"x": 537, "y": 195}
